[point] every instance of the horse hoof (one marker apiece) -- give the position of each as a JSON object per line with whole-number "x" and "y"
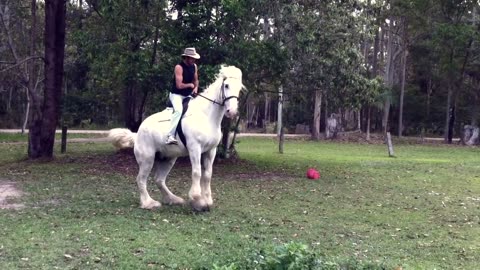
{"x": 199, "y": 207}
{"x": 151, "y": 205}
{"x": 174, "y": 201}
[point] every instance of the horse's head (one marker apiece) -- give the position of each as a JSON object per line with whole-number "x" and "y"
{"x": 231, "y": 87}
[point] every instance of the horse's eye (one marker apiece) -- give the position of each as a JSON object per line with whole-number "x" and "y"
{"x": 226, "y": 85}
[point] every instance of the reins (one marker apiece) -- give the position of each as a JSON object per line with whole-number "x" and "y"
{"x": 223, "y": 96}
{"x": 213, "y": 101}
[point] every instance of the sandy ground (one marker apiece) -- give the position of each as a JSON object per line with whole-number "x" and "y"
{"x": 8, "y": 193}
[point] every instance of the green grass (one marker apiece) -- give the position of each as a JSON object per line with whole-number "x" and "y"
{"x": 419, "y": 210}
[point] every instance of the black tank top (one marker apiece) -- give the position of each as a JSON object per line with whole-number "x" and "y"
{"x": 188, "y": 76}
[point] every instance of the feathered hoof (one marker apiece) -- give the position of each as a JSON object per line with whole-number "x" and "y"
{"x": 150, "y": 205}
{"x": 199, "y": 206}
{"x": 174, "y": 201}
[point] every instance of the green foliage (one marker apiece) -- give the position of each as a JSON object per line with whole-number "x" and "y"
{"x": 291, "y": 256}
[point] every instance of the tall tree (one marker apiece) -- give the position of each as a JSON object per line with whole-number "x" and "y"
{"x": 23, "y": 64}
{"x": 43, "y": 123}
{"x": 320, "y": 40}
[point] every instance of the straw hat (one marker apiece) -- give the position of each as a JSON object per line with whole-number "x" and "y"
{"x": 190, "y": 52}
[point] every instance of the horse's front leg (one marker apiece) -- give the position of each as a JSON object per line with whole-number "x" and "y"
{"x": 207, "y": 162}
{"x": 197, "y": 201}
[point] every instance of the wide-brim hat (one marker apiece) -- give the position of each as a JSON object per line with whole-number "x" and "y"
{"x": 191, "y": 52}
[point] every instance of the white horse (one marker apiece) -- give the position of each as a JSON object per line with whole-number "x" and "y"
{"x": 201, "y": 126}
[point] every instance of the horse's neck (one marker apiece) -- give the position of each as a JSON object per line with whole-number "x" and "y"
{"x": 213, "y": 111}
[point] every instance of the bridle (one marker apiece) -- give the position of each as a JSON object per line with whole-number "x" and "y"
{"x": 224, "y": 98}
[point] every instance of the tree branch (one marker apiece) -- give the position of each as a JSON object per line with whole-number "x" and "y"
{"x": 21, "y": 62}
{"x": 7, "y": 63}
{"x": 9, "y": 36}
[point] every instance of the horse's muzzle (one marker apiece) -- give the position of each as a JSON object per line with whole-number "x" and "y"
{"x": 231, "y": 113}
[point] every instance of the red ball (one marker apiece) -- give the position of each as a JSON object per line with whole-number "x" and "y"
{"x": 313, "y": 174}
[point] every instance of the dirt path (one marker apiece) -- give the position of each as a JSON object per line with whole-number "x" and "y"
{"x": 8, "y": 192}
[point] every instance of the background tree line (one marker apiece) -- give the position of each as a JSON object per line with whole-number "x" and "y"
{"x": 405, "y": 66}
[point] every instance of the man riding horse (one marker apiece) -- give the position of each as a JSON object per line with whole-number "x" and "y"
{"x": 184, "y": 84}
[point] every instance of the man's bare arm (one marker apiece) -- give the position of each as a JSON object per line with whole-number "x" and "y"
{"x": 195, "y": 81}
{"x": 179, "y": 79}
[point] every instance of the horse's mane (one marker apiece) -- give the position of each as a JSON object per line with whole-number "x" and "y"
{"x": 229, "y": 72}
{"x": 224, "y": 73}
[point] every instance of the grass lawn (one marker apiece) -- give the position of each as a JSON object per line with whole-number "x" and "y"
{"x": 420, "y": 210}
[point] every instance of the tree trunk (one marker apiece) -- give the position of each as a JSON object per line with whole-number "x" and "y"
{"x": 386, "y": 111}
{"x": 130, "y": 104}
{"x": 27, "y": 113}
{"x": 317, "y": 114}
{"x": 331, "y": 129}
{"x": 387, "y": 77}
{"x": 31, "y": 82}
{"x": 451, "y": 123}
{"x": 224, "y": 153}
{"x": 325, "y": 97}
{"x": 427, "y": 106}
{"x": 449, "y": 112}
{"x": 475, "y": 81}
{"x": 374, "y": 74}
{"x": 266, "y": 115}
{"x": 43, "y": 125}
{"x": 359, "y": 120}
{"x": 368, "y": 123}
{"x": 375, "y": 55}
{"x": 402, "y": 92}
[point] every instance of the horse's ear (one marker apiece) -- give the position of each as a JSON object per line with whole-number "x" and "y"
{"x": 221, "y": 72}
{"x": 244, "y": 88}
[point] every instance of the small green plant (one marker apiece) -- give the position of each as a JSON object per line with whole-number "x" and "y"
{"x": 289, "y": 256}
{"x": 231, "y": 266}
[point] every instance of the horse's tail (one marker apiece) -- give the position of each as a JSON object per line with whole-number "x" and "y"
{"x": 122, "y": 138}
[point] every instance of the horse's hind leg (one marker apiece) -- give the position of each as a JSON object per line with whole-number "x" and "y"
{"x": 145, "y": 164}
{"x": 162, "y": 168}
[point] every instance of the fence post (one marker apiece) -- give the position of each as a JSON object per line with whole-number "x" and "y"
{"x": 390, "y": 145}
{"x": 64, "y": 139}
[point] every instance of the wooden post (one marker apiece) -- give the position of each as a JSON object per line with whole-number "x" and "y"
{"x": 64, "y": 139}
{"x": 390, "y": 145}
{"x": 280, "y": 111}
{"x": 282, "y": 140}
{"x": 280, "y": 129}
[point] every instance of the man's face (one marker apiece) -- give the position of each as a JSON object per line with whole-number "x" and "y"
{"x": 189, "y": 60}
